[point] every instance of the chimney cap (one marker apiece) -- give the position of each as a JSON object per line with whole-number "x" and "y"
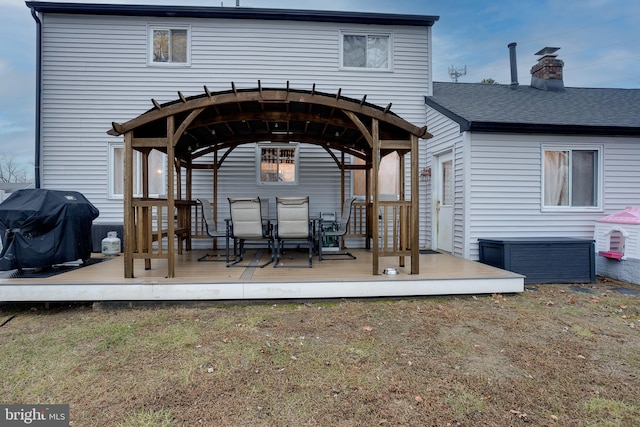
{"x": 547, "y": 51}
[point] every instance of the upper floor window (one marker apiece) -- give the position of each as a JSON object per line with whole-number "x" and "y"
{"x": 368, "y": 51}
{"x": 572, "y": 178}
{"x": 169, "y": 45}
{"x": 157, "y": 172}
{"x": 278, "y": 164}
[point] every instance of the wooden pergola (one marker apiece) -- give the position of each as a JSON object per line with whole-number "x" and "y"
{"x": 218, "y": 122}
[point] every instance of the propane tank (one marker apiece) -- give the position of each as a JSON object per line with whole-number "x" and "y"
{"x": 111, "y": 244}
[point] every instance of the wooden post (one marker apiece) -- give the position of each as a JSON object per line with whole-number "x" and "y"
{"x": 342, "y": 179}
{"x": 145, "y": 220}
{"x": 171, "y": 203}
{"x": 367, "y": 208}
{"x": 342, "y": 187}
{"x": 415, "y": 208}
{"x": 178, "y": 179}
{"x": 375, "y": 189}
{"x": 189, "y": 197}
{"x": 215, "y": 194}
{"x": 129, "y": 214}
{"x": 403, "y": 226}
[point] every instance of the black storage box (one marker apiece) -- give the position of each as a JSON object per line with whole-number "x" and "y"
{"x": 42, "y": 228}
{"x": 542, "y": 259}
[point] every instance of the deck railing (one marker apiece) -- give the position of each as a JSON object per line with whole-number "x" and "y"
{"x": 393, "y": 226}
{"x": 155, "y": 230}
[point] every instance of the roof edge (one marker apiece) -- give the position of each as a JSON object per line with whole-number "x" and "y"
{"x": 499, "y": 127}
{"x": 464, "y": 123}
{"x": 234, "y": 13}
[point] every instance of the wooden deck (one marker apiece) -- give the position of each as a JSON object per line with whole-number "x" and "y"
{"x": 440, "y": 274}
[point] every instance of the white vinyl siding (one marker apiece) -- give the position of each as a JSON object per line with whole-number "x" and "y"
{"x": 499, "y": 183}
{"x": 319, "y": 179}
{"x": 447, "y": 138}
{"x": 95, "y": 72}
{"x": 506, "y": 186}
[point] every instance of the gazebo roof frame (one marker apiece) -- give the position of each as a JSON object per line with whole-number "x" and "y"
{"x": 214, "y": 121}
{"x": 189, "y": 127}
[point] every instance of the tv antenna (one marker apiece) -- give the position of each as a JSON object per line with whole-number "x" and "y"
{"x": 454, "y": 73}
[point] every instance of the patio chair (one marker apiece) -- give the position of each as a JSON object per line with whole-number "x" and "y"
{"x": 212, "y": 230}
{"x": 336, "y": 230}
{"x": 246, "y": 224}
{"x": 293, "y": 225}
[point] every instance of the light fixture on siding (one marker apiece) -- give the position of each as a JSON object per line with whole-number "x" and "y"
{"x": 425, "y": 173}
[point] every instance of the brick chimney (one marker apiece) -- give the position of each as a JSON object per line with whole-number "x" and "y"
{"x": 547, "y": 73}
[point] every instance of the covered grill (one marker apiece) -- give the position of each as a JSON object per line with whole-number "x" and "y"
{"x": 41, "y": 228}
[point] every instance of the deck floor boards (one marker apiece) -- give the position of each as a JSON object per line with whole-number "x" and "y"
{"x": 439, "y": 274}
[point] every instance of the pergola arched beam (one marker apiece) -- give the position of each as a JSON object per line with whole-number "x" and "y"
{"x": 264, "y": 95}
{"x": 275, "y": 116}
{"x": 186, "y": 122}
{"x": 232, "y": 145}
{"x": 361, "y": 127}
{"x": 209, "y": 150}
{"x": 233, "y": 142}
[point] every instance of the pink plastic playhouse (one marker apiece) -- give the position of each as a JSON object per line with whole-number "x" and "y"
{"x": 617, "y": 239}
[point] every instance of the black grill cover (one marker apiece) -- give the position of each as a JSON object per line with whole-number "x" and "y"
{"x": 41, "y": 228}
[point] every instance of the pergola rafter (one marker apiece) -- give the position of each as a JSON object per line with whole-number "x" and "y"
{"x": 218, "y": 122}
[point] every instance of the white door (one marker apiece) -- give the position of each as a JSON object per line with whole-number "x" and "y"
{"x": 444, "y": 204}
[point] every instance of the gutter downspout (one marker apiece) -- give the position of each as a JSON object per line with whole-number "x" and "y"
{"x": 36, "y": 162}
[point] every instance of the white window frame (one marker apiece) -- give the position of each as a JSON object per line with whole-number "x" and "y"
{"x": 599, "y": 179}
{"x": 268, "y": 145}
{"x": 389, "y": 35}
{"x": 150, "y": 30}
{"x": 137, "y": 169}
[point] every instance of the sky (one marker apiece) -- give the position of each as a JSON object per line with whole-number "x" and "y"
{"x": 598, "y": 42}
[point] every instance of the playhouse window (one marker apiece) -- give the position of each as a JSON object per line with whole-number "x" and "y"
{"x": 571, "y": 179}
{"x": 366, "y": 51}
{"x": 169, "y": 45}
{"x": 616, "y": 246}
{"x": 616, "y": 242}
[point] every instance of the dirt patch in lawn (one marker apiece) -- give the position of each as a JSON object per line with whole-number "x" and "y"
{"x": 555, "y": 355}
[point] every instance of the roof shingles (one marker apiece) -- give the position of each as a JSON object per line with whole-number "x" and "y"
{"x": 481, "y": 105}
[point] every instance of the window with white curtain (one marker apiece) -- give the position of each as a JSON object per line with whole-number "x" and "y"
{"x": 366, "y": 51}
{"x": 572, "y": 178}
{"x": 157, "y": 172}
{"x": 169, "y": 45}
